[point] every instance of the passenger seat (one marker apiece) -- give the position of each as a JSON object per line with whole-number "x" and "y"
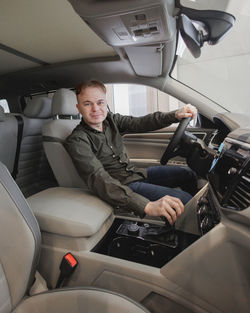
{"x": 20, "y": 243}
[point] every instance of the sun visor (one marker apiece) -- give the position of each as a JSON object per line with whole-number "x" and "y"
{"x": 146, "y": 60}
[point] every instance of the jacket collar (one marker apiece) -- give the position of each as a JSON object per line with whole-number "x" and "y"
{"x": 87, "y": 127}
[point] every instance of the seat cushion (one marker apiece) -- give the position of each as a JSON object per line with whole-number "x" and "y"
{"x": 87, "y": 300}
{"x": 69, "y": 211}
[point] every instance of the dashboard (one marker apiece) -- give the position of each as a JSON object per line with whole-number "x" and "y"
{"x": 229, "y": 180}
{"x": 229, "y": 175}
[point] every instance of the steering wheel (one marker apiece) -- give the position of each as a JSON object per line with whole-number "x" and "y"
{"x": 174, "y": 144}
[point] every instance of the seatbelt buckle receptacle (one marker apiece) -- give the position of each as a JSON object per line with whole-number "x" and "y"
{"x": 67, "y": 267}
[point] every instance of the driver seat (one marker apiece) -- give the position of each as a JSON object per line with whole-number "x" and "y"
{"x": 20, "y": 241}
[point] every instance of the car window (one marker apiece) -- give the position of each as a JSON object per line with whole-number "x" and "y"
{"x": 4, "y": 104}
{"x": 139, "y": 100}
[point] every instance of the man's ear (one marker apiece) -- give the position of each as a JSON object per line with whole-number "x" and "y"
{"x": 77, "y": 106}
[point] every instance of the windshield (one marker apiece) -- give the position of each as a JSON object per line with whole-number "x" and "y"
{"x": 222, "y": 72}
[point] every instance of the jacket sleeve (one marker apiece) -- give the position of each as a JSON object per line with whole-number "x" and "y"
{"x": 98, "y": 179}
{"x": 145, "y": 123}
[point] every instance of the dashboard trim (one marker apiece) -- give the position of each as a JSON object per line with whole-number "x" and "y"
{"x": 238, "y": 142}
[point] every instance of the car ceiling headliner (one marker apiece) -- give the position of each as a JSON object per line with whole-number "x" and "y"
{"x": 48, "y": 31}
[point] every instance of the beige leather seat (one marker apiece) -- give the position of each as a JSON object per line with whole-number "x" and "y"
{"x": 65, "y": 119}
{"x": 22, "y": 148}
{"x": 20, "y": 246}
{"x": 34, "y": 173}
{"x": 8, "y": 138}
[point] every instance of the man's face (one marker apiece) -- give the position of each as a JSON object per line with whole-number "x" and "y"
{"x": 92, "y": 105}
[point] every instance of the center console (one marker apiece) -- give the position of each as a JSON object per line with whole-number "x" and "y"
{"x": 144, "y": 243}
{"x": 75, "y": 221}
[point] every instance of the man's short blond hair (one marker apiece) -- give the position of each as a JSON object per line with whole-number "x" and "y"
{"x": 90, "y": 83}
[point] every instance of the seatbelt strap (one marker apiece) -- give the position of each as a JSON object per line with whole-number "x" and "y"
{"x": 18, "y": 146}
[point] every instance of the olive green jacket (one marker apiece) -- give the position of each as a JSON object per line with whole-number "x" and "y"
{"x": 102, "y": 162}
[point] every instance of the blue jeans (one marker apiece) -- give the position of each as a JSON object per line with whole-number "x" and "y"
{"x": 161, "y": 181}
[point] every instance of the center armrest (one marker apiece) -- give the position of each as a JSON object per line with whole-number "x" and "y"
{"x": 69, "y": 211}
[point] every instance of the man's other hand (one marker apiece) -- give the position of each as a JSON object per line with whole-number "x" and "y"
{"x": 187, "y": 111}
{"x": 168, "y": 206}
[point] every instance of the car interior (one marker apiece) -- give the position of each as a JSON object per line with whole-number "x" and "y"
{"x": 63, "y": 249}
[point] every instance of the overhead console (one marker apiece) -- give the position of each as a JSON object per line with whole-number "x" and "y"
{"x": 147, "y": 30}
{"x": 120, "y": 23}
{"x": 144, "y": 29}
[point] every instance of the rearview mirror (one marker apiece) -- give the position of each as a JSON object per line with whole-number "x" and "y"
{"x": 191, "y": 36}
{"x": 212, "y": 27}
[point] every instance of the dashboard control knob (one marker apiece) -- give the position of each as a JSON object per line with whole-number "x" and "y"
{"x": 202, "y": 200}
{"x": 133, "y": 229}
{"x": 232, "y": 171}
{"x": 203, "y": 211}
{"x": 207, "y": 224}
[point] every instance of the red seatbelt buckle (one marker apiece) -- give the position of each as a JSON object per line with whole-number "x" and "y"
{"x": 71, "y": 260}
{"x": 67, "y": 267}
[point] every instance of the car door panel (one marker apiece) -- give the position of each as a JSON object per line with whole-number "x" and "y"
{"x": 146, "y": 149}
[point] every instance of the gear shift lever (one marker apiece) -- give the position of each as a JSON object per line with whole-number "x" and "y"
{"x": 167, "y": 224}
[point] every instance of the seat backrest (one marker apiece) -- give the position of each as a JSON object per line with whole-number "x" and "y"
{"x": 8, "y": 139}
{"x": 65, "y": 119}
{"x": 34, "y": 173}
{"x": 20, "y": 240}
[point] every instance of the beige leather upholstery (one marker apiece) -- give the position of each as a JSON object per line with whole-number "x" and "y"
{"x": 64, "y": 102}
{"x": 20, "y": 245}
{"x": 87, "y": 300}
{"x": 69, "y": 211}
{"x": 34, "y": 173}
{"x": 54, "y": 134}
{"x": 39, "y": 107}
{"x": 8, "y": 139}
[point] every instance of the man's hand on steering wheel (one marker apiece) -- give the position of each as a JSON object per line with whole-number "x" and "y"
{"x": 184, "y": 114}
{"x": 187, "y": 111}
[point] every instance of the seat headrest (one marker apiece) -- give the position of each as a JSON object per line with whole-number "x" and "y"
{"x": 64, "y": 102}
{"x": 2, "y": 114}
{"x": 39, "y": 107}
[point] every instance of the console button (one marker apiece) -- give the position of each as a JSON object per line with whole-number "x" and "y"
{"x": 207, "y": 224}
{"x": 133, "y": 229}
{"x": 203, "y": 211}
{"x": 202, "y": 200}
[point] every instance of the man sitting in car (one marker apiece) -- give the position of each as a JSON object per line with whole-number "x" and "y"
{"x": 98, "y": 152}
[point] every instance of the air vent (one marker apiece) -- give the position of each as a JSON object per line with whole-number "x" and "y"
{"x": 240, "y": 197}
